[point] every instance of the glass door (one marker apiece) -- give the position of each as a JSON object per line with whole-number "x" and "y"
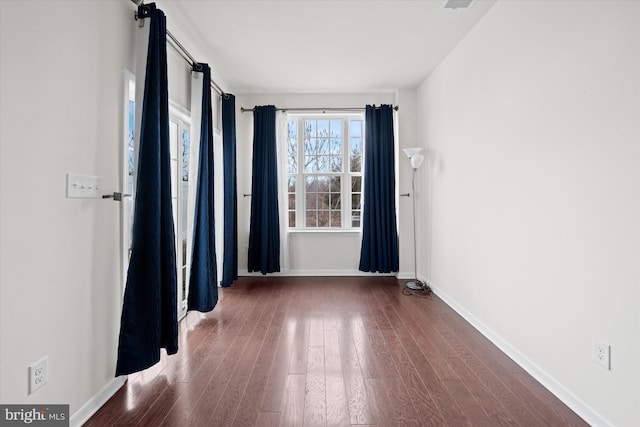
{"x": 180, "y": 137}
{"x": 128, "y": 172}
{"x": 180, "y": 146}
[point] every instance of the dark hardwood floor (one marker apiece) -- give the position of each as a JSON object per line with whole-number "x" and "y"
{"x": 334, "y": 351}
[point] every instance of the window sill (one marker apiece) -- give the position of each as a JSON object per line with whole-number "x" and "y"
{"x": 328, "y": 231}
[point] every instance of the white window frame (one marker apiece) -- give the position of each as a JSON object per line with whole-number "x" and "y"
{"x": 182, "y": 118}
{"x": 126, "y": 205}
{"x": 345, "y": 175}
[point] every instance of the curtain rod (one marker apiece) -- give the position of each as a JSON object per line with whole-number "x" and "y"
{"x": 247, "y": 110}
{"x": 181, "y": 50}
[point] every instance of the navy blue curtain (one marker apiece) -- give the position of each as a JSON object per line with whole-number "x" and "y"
{"x": 230, "y": 255}
{"x": 149, "y": 314}
{"x": 264, "y": 229}
{"x": 203, "y": 279}
{"x": 379, "y": 250}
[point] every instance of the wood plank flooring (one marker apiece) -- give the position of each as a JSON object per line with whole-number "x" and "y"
{"x": 331, "y": 351}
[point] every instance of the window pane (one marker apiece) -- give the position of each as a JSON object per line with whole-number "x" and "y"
{"x": 184, "y": 280}
{"x": 336, "y": 128}
{"x": 323, "y": 219}
{"x": 322, "y": 145}
{"x": 292, "y": 184}
{"x": 336, "y": 219}
{"x": 292, "y": 146}
{"x": 355, "y": 218}
{"x": 292, "y": 129}
{"x": 310, "y": 184}
{"x": 355, "y": 164}
{"x": 311, "y": 219}
{"x": 186, "y": 150}
{"x": 323, "y": 164}
{"x": 292, "y": 164}
{"x": 355, "y": 201}
{"x": 335, "y": 184}
{"x": 130, "y": 184}
{"x": 130, "y": 131}
{"x": 355, "y": 128}
{"x": 355, "y": 154}
{"x": 335, "y": 201}
{"x": 311, "y": 202}
{"x": 292, "y": 201}
{"x": 356, "y": 184}
{"x": 323, "y": 183}
{"x": 292, "y": 218}
{"x": 184, "y": 254}
{"x": 323, "y": 128}
{"x": 310, "y": 145}
{"x": 356, "y": 144}
{"x": 309, "y": 128}
{"x": 324, "y": 200}
{"x": 336, "y": 146}
{"x": 310, "y": 164}
{"x": 336, "y": 163}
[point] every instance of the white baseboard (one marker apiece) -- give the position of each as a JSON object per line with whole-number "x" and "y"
{"x": 315, "y": 273}
{"x": 405, "y": 275}
{"x": 83, "y": 414}
{"x": 550, "y": 383}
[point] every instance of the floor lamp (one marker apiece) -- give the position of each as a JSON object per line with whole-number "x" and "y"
{"x": 416, "y": 161}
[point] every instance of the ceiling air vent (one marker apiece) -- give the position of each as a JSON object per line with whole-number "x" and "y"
{"x": 457, "y": 4}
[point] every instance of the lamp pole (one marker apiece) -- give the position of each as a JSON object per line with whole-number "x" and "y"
{"x": 415, "y": 285}
{"x": 416, "y": 160}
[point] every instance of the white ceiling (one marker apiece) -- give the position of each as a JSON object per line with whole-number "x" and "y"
{"x": 330, "y": 46}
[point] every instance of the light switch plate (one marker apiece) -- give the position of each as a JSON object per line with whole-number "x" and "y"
{"x": 84, "y": 186}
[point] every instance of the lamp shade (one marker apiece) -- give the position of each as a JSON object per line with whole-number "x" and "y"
{"x": 416, "y": 160}
{"x": 410, "y": 152}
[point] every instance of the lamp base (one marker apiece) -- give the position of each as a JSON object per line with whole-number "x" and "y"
{"x": 414, "y": 285}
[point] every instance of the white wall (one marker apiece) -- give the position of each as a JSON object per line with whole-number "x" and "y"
{"x": 311, "y": 253}
{"x": 61, "y": 82}
{"x": 407, "y": 137}
{"x": 533, "y": 127}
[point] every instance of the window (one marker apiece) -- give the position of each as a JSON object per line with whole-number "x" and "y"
{"x": 128, "y": 170}
{"x": 324, "y": 171}
{"x": 180, "y": 148}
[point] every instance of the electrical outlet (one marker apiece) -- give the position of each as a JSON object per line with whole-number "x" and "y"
{"x": 38, "y": 374}
{"x": 602, "y": 354}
